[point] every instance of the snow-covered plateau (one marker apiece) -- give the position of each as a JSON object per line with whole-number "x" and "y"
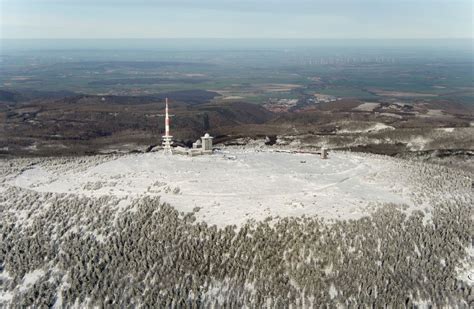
{"x": 234, "y": 186}
{"x": 241, "y": 227}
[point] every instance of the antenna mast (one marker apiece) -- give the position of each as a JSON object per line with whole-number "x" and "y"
{"x": 167, "y": 138}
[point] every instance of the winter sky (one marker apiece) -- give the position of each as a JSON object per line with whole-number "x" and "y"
{"x": 339, "y": 19}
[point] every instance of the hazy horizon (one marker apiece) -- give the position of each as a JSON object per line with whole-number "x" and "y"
{"x": 226, "y": 43}
{"x": 276, "y": 19}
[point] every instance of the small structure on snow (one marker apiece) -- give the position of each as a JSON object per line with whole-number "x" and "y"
{"x": 201, "y": 146}
{"x": 197, "y": 144}
{"x": 206, "y": 143}
{"x": 324, "y": 153}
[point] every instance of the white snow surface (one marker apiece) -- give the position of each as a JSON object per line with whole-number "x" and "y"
{"x": 30, "y": 278}
{"x": 367, "y": 106}
{"x": 374, "y": 128}
{"x": 236, "y": 185}
{"x": 5, "y": 296}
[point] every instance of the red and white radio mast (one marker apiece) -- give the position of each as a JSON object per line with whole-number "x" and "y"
{"x": 167, "y": 138}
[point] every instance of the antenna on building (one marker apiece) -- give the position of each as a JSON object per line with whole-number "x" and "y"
{"x": 167, "y": 138}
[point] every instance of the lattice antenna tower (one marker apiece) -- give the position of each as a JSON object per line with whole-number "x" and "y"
{"x": 167, "y": 138}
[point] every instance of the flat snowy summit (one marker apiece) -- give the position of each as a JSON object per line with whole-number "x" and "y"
{"x": 238, "y": 228}
{"x": 232, "y": 186}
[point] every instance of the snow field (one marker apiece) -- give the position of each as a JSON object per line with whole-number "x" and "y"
{"x": 234, "y": 186}
{"x": 92, "y": 226}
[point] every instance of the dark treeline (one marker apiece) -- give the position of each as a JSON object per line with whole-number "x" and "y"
{"x": 94, "y": 254}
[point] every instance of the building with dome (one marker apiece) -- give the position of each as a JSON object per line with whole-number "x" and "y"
{"x": 201, "y": 146}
